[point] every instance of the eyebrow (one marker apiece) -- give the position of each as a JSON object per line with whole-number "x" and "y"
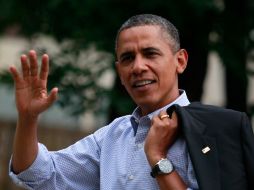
{"x": 151, "y": 49}
{"x": 144, "y": 50}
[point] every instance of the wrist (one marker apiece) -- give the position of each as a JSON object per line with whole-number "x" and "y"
{"x": 154, "y": 158}
{"x": 27, "y": 120}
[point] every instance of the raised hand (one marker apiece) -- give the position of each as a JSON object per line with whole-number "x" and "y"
{"x": 31, "y": 86}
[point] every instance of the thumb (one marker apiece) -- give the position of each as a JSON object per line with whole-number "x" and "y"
{"x": 174, "y": 116}
{"x": 174, "y": 119}
{"x": 52, "y": 96}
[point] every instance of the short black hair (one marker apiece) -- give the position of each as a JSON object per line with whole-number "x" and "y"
{"x": 150, "y": 19}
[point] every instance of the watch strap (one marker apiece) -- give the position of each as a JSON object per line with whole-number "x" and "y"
{"x": 155, "y": 171}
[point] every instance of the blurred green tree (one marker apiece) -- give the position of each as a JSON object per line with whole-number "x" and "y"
{"x": 234, "y": 26}
{"x": 96, "y": 22}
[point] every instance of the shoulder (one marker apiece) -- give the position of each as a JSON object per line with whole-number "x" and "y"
{"x": 116, "y": 124}
{"x": 211, "y": 110}
{"x": 210, "y": 115}
{"x": 114, "y": 128}
{"x": 217, "y": 116}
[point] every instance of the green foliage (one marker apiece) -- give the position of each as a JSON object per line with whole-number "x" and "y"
{"x": 96, "y": 22}
{"x": 78, "y": 83}
{"x": 5, "y": 77}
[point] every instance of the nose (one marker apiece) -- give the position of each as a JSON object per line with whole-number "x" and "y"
{"x": 139, "y": 65}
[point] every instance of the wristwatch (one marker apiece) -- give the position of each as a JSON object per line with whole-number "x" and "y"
{"x": 164, "y": 166}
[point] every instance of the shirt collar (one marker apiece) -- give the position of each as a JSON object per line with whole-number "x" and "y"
{"x": 181, "y": 100}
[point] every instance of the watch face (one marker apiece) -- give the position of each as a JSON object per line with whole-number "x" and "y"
{"x": 165, "y": 166}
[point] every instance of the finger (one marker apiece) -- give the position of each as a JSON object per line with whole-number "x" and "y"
{"x": 14, "y": 73}
{"x": 25, "y": 66}
{"x": 174, "y": 119}
{"x": 44, "y": 67}
{"x": 155, "y": 119}
{"x": 174, "y": 116}
{"x": 33, "y": 63}
{"x": 163, "y": 115}
{"x": 52, "y": 96}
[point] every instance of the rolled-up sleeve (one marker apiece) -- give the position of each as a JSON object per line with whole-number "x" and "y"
{"x": 39, "y": 171}
{"x": 74, "y": 167}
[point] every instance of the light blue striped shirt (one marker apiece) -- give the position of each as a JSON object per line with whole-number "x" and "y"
{"x": 111, "y": 158}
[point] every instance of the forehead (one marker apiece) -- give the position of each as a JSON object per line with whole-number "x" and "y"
{"x": 141, "y": 36}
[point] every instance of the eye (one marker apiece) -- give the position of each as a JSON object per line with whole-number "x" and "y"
{"x": 126, "y": 58}
{"x": 150, "y": 54}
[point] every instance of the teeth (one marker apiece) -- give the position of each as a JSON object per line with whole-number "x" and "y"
{"x": 142, "y": 83}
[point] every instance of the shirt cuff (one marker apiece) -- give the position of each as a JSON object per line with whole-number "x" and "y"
{"x": 38, "y": 171}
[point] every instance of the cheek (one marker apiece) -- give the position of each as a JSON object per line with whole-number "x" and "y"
{"x": 123, "y": 76}
{"x": 168, "y": 75}
{"x": 171, "y": 69}
{"x": 122, "y": 79}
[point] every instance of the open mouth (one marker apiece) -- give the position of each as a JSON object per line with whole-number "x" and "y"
{"x": 143, "y": 83}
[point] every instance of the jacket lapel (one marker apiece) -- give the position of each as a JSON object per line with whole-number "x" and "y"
{"x": 202, "y": 149}
{"x": 204, "y": 163}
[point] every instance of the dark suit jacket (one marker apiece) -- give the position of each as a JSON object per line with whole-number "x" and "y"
{"x": 229, "y": 164}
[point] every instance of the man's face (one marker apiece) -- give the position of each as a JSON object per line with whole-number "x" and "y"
{"x": 147, "y": 66}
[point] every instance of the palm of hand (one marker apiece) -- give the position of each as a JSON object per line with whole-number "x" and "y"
{"x": 31, "y": 87}
{"x": 31, "y": 96}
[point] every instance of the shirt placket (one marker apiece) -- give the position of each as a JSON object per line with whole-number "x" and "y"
{"x": 137, "y": 149}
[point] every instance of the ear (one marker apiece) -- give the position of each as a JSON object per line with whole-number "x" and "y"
{"x": 182, "y": 59}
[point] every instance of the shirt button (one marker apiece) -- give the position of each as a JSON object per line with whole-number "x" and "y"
{"x": 20, "y": 183}
{"x": 140, "y": 145}
{"x": 131, "y": 177}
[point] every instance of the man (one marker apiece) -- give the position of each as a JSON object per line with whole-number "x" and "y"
{"x": 145, "y": 150}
